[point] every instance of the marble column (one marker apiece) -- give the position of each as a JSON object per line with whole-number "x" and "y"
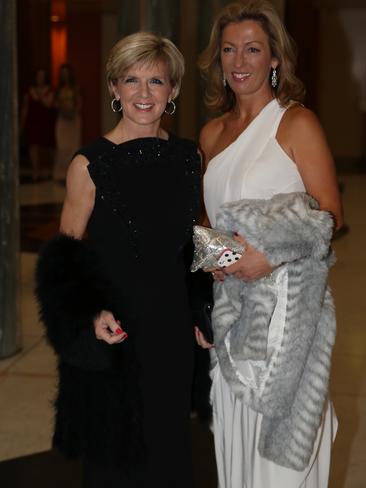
{"x": 9, "y": 204}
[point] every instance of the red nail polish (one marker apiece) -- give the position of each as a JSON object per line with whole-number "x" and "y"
{"x": 119, "y": 331}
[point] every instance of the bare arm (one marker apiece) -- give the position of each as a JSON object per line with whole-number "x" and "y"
{"x": 79, "y": 201}
{"x": 78, "y": 205}
{"x": 302, "y": 137}
{"x": 202, "y": 218}
{"x": 208, "y": 139}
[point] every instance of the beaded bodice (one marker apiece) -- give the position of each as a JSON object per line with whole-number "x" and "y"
{"x": 146, "y": 202}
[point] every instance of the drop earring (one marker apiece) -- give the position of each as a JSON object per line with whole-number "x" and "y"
{"x": 274, "y": 79}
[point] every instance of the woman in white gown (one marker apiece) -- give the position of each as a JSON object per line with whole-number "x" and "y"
{"x": 264, "y": 143}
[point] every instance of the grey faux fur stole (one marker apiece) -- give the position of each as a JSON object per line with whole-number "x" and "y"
{"x": 293, "y": 381}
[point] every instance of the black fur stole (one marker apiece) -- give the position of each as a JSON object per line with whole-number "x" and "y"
{"x": 71, "y": 291}
{"x": 98, "y": 407}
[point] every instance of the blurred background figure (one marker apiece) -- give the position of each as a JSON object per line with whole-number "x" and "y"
{"x": 68, "y": 124}
{"x": 37, "y": 123}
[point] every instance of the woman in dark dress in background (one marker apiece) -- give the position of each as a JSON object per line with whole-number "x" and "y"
{"x": 124, "y": 401}
{"x": 37, "y": 121}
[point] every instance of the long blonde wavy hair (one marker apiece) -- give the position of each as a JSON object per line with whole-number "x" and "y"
{"x": 220, "y": 98}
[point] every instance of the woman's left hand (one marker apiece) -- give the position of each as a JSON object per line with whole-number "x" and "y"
{"x": 200, "y": 338}
{"x": 253, "y": 264}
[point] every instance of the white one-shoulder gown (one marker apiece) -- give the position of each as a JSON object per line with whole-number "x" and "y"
{"x": 255, "y": 166}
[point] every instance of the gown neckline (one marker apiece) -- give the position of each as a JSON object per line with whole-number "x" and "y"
{"x": 138, "y": 140}
{"x": 245, "y": 130}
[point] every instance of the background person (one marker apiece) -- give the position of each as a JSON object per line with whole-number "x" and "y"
{"x": 68, "y": 122}
{"x": 37, "y": 122}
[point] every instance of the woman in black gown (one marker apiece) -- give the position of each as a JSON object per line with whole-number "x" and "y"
{"x": 124, "y": 401}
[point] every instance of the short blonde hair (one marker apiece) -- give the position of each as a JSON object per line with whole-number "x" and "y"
{"x": 221, "y": 98}
{"x": 149, "y": 48}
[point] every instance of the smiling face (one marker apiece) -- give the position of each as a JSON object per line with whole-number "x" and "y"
{"x": 144, "y": 91}
{"x": 246, "y": 59}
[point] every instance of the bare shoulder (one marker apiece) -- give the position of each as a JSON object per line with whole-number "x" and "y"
{"x": 78, "y": 164}
{"x": 300, "y": 134}
{"x": 209, "y": 134}
{"x": 300, "y": 129}
{"x": 77, "y": 173}
{"x": 213, "y": 126}
{"x": 211, "y": 129}
{"x": 79, "y": 200}
{"x": 297, "y": 119}
{"x": 79, "y": 185}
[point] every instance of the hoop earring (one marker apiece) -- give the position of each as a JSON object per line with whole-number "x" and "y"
{"x": 174, "y": 108}
{"x": 274, "y": 79}
{"x": 113, "y": 107}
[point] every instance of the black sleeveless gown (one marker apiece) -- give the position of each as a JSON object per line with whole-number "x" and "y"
{"x": 147, "y": 199}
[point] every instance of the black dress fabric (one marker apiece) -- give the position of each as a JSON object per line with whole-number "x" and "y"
{"x": 147, "y": 199}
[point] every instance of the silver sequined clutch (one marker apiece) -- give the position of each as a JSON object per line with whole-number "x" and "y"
{"x": 210, "y": 246}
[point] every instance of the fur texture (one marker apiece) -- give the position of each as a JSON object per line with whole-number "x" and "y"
{"x": 71, "y": 291}
{"x": 293, "y": 382}
{"x": 98, "y": 407}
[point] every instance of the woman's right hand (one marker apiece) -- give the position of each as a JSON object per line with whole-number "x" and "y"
{"x": 108, "y": 329}
{"x": 200, "y": 338}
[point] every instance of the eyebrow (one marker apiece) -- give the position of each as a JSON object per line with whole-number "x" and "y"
{"x": 249, "y": 42}
{"x": 134, "y": 75}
